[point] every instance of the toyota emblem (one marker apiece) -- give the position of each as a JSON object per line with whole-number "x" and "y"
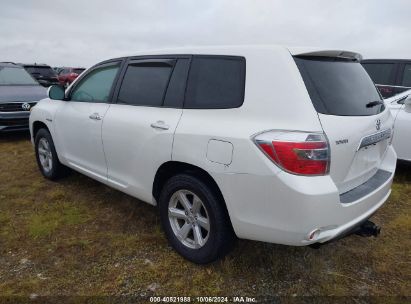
{"x": 378, "y": 124}
{"x": 25, "y": 106}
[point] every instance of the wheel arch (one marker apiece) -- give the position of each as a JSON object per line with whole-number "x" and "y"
{"x": 172, "y": 168}
{"x": 37, "y": 125}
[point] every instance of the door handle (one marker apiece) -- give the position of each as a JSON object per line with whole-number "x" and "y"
{"x": 160, "y": 125}
{"x": 95, "y": 116}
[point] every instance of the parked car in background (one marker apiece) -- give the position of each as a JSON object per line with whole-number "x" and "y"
{"x": 260, "y": 142}
{"x": 400, "y": 106}
{"x": 391, "y": 76}
{"x": 19, "y": 92}
{"x": 57, "y": 69}
{"x": 43, "y": 73}
{"x": 68, "y": 75}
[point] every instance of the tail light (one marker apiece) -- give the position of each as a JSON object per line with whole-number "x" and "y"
{"x": 296, "y": 152}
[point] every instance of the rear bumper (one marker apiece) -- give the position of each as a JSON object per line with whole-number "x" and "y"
{"x": 287, "y": 209}
{"x": 10, "y": 122}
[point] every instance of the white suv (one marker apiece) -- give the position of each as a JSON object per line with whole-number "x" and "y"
{"x": 289, "y": 146}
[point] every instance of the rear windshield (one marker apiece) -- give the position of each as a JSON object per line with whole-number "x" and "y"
{"x": 39, "y": 70}
{"x": 78, "y": 71}
{"x": 339, "y": 87}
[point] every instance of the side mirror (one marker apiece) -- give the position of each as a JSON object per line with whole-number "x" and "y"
{"x": 407, "y": 101}
{"x": 56, "y": 92}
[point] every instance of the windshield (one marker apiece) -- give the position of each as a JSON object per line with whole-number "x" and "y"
{"x": 339, "y": 87}
{"x": 40, "y": 70}
{"x": 15, "y": 76}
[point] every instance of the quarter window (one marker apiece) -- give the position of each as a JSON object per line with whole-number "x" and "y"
{"x": 97, "y": 85}
{"x": 216, "y": 82}
{"x": 145, "y": 83}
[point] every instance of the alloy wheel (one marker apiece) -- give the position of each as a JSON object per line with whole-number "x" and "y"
{"x": 189, "y": 219}
{"x": 45, "y": 155}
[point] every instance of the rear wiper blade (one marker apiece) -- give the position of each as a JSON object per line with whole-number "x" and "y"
{"x": 374, "y": 103}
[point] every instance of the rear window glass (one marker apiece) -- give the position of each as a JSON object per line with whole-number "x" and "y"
{"x": 406, "y": 77}
{"x": 380, "y": 73}
{"x": 78, "y": 71}
{"x": 43, "y": 71}
{"x": 338, "y": 87}
{"x": 216, "y": 82}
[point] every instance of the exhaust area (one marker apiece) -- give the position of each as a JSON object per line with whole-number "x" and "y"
{"x": 365, "y": 229}
{"x": 368, "y": 229}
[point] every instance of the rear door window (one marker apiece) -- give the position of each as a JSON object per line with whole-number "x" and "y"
{"x": 381, "y": 73}
{"x": 339, "y": 87}
{"x": 216, "y": 82}
{"x": 145, "y": 82}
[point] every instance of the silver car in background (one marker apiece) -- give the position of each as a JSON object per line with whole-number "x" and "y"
{"x": 19, "y": 92}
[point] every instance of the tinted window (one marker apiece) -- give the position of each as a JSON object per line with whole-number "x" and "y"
{"x": 41, "y": 70}
{"x": 216, "y": 82}
{"x": 380, "y": 73}
{"x": 145, "y": 83}
{"x": 96, "y": 86}
{"x": 339, "y": 87}
{"x": 15, "y": 76}
{"x": 78, "y": 71}
{"x": 406, "y": 77}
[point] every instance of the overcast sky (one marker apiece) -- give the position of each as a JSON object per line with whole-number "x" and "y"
{"x": 84, "y": 32}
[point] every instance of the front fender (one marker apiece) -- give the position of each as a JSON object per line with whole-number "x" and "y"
{"x": 44, "y": 112}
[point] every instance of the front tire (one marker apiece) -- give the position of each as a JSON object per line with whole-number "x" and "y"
{"x": 46, "y": 156}
{"x": 195, "y": 220}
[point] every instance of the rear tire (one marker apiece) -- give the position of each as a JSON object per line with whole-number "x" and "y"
{"x": 46, "y": 156}
{"x": 195, "y": 220}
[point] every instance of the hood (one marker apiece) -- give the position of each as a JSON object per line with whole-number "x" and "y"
{"x": 22, "y": 93}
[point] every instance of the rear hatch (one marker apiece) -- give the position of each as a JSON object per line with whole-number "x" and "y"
{"x": 352, "y": 114}
{"x": 42, "y": 73}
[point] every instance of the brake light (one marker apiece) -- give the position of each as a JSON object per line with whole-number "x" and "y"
{"x": 296, "y": 152}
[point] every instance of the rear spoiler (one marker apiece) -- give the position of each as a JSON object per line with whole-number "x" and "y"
{"x": 326, "y": 53}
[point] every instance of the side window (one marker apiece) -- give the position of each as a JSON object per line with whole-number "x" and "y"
{"x": 145, "y": 82}
{"x": 96, "y": 85}
{"x": 216, "y": 82}
{"x": 406, "y": 76}
{"x": 380, "y": 73}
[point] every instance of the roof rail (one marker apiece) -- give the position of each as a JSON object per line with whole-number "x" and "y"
{"x": 8, "y": 62}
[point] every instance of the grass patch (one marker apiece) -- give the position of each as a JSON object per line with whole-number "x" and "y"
{"x": 60, "y": 216}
